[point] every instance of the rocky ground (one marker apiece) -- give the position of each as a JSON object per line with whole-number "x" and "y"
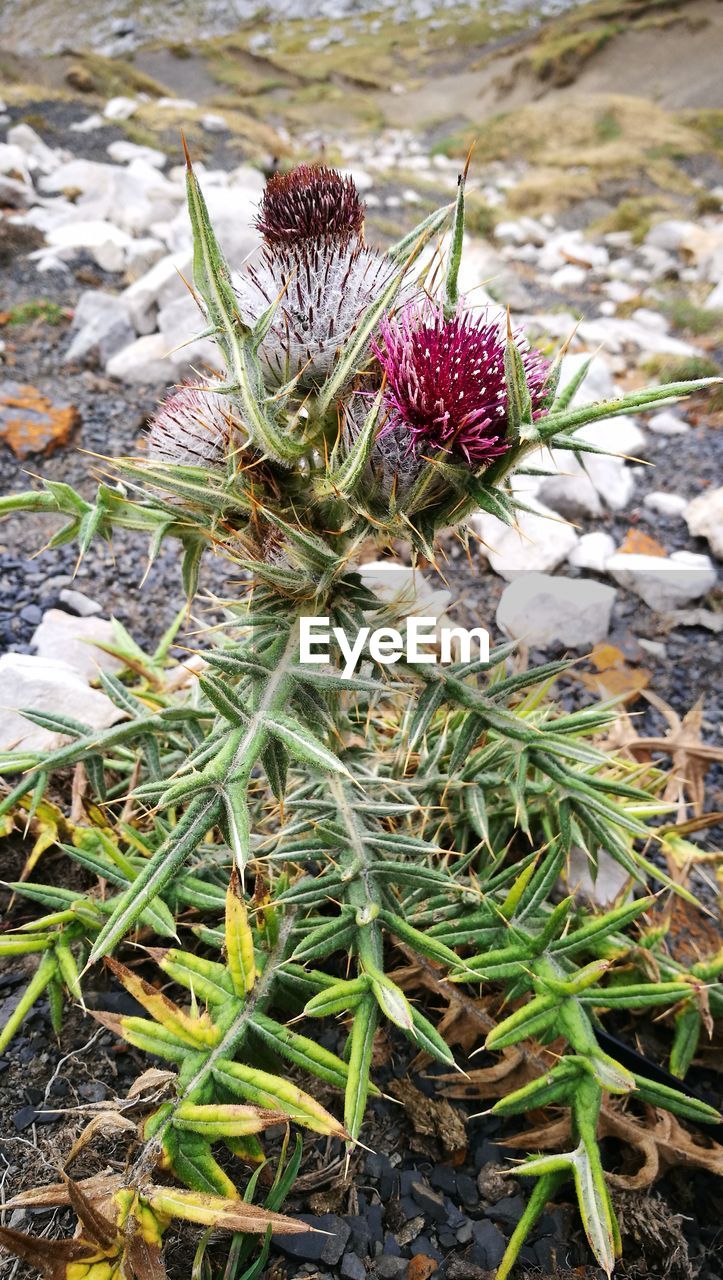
{"x": 93, "y": 236}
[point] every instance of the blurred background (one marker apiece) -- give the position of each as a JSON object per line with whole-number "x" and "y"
{"x": 594, "y": 213}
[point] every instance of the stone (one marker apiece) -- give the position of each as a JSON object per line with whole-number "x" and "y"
{"x": 592, "y": 551}
{"x": 568, "y": 277}
{"x": 176, "y": 104}
{"x": 667, "y": 423}
{"x": 670, "y": 235}
{"x": 232, "y": 210}
{"x": 214, "y": 124}
{"x": 704, "y": 518}
{"x": 101, "y": 326}
{"x": 13, "y": 161}
{"x": 143, "y": 361}
{"x": 79, "y": 603}
{"x": 123, "y": 152}
{"x": 75, "y": 640}
{"x": 714, "y": 301}
{"x": 598, "y": 383}
{"x": 664, "y": 582}
{"x": 38, "y": 154}
{"x": 352, "y": 1268}
{"x": 14, "y": 194}
{"x": 571, "y": 492}
{"x": 142, "y": 254}
{"x": 30, "y": 422}
{"x": 79, "y": 77}
{"x": 489, "y": 1244}
{"x": 178, "y": 321}
{"x": 405, "y": 588}
{"x": 545, "y": 611}
{"x": 315, "y": 1246}
{"x": 571, "y": 247}
{"x": 89, "y": 125}
{"x": 602, "y": 886}
{"x": 666, "y": 504}
{"x": 540, "y": 542}
{"x": 120, "y": 108}
{"x": 159, "y": 285}
{"x": 51, "y": 685}
{"x": 617, "y": 333}
{"x": 104, "y": 242}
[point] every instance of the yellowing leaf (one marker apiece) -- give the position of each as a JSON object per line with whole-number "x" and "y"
{"x": 239, "y": 939}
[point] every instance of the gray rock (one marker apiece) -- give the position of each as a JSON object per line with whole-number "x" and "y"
{"x": 75, "y": 640}
{"x": 664, "y": 582}
{"x": 704, "y": 518}
{"x": 544, "y": 611}
{"x": 80, "y": 603}
{"x": 45, "y": 683}
{"x": 101, "y": 326}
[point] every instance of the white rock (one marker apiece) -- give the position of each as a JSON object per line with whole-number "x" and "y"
{"x": 598, "y": 383}
{"x": 178, "y": 321}
{"x": 592, "y": 551}
{"x": 213, "y": 124}
{"x": 142, "y": 254}
{"x": 568, "y": 277}
{"x": 14, "y": 194}
{"x": 176, "y": 104}
{"x": 615, "y": 334}
{"x": 89, "y": 125}
{"x": 38, "y": 154}
{"x": 145, "y": 360}
{"x": 602, "y": 885}
{"x": 50, "y": 685}
{"x": 120, "y": 108}
{"x": 621, "y": 435}
{"x": 670, "y": 235}
{"x": 105, "y": 243}
{"x": 160, "y": 285}
{"x": 76, "y": 640}
{"x": 101, "y": 325}
{"x": 651, "y": 319}
{"x": 231, "y": 210}
{"x": 404, "y": 588}
{"x": 667, "y": 423}
{"x": 704, "y": 518}
{"x": 544, "y": 611}
{"x": 541, "y": 540}
{"x": 123, "y": 152}
{"x": 571, "y": 492}
{"x": 664, "y": 583}
{"x": 618, "y": 291}
{"x": 667, "y": 504}
{"x": 572, "y": 247}
{"x": 13, "y": 161}
{"x": 714, "y": 301}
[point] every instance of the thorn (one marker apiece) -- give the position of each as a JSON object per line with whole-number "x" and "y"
{"x": 468, "y": 161}
{"x": 186, "y": 152}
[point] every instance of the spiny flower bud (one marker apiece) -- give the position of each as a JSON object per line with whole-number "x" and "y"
{"x": 310, "y": 203}
{"x": 321, "y": 291}
{"x": 446, "y": 386}
{"x": 193, "y": 427}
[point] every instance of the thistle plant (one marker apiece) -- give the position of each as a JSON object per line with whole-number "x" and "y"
{"x": 277, "y": 829}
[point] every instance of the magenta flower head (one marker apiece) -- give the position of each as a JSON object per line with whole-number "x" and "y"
{"x": 312, "y": 202}
{"x": 446, "y": 385}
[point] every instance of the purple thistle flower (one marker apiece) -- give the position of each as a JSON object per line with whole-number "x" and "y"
{"x": 312, "y": 202}
{"x": 446, "y": 382}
